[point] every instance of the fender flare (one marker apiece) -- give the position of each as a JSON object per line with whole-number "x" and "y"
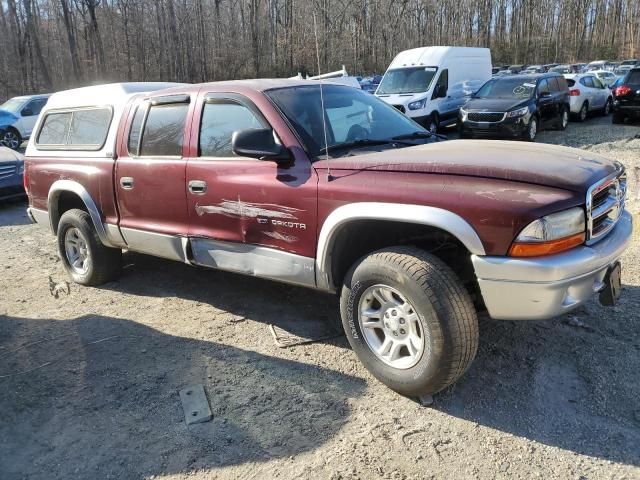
{"x": 398, "y": 212}
{"x": 60, "y": 186}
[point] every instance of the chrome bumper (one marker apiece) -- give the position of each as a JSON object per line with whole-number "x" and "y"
{"x": 40, "y": 217}
{"x": 544, "y": 287}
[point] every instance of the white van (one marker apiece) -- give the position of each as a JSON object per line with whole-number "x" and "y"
{"x": 430, "y": 84}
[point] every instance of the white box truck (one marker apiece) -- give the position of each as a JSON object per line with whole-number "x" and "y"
{"x": 430, "y": 84}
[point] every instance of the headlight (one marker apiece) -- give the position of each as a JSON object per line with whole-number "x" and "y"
{"x": 519, "y": 112}
{"x": 20, "y": 169}
{"x": 551, "y": 234}
{"x": 417, "y": 105}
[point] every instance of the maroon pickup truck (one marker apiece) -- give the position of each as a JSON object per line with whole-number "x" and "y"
{"x": 327, "y": 187}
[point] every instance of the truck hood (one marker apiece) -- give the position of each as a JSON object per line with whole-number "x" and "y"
{"x": 541, "y": 164}
{"x": 7, "y": 118}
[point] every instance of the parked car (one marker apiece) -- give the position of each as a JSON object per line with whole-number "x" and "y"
{"x": 562, "y": 69}
{"x": 517, "y": 106}
{"x": 549, "y": 66}
{"x": 605, "y": 76}
{"x": 370, "y": 84}
{"x": 11, "y": 173}
{"x": 517, "y": 68}
{"x": 597, "y": 65}
{"x": 533, "y": 69}
{"x": 626, "y": 97}
{"x": 17, "y": 117}
{"x": 622, "y": 70}
{"x": 586, "y": 94}
{"x": 430, "y": 84}
{"x": 242, "y": 176}
{"x": 580, "y": 67}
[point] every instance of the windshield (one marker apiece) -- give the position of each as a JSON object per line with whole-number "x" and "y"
{"x": 407, "y": 80}
{"x": 507, "y": 88}
{"x": 351, "y": 115}
{"x": 13, "y": 105}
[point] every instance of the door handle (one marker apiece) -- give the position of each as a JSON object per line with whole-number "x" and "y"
{"x": 198, "y": 187}
{"x": 126, "y": 183}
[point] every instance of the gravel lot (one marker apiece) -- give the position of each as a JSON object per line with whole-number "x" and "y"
{"x": 89, "y": 380}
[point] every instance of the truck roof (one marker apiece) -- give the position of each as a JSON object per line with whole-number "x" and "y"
{"x": 430, "y": 56}
{"x": 111, "y": 93}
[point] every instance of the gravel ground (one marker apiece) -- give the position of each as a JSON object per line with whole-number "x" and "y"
{"x": 89, "y": 380}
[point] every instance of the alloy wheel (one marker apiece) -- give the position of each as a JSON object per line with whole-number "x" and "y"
{"x": 77, "y": 250}
{"x": 11, "y": 140}
{"x": 583, "y": 112}
{"x": 565, "y": 118}
{"x": 391, "y": 327}
{"x": 533, "y": 129}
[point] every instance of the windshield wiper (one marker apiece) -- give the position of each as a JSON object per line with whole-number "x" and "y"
{"x": 418, "y": 134}
{"x": 364, "y": 142}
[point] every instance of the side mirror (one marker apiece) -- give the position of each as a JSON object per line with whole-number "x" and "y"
{"x": 26, "y": 112}
{"x": 441, "y": 91}
{"x": 545, "y": 94}
{"x": 258, "y": 143}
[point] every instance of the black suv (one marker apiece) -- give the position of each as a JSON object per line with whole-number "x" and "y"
{"x": 626, "y": 97}
{"x": 516, "y": 106}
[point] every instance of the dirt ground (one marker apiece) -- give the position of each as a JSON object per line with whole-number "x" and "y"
{"x": 89, "y": 381}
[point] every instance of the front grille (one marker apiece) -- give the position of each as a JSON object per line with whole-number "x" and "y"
{"x": 400, "y": 107}
{"x": 605, "y": 204}
{"x": 7, "y": 171}
{"x": 485, "y": 116}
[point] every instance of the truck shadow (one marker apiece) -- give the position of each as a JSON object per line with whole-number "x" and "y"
{"x": 571, "y": 382}
{"x": 299, "y": 311}
{"x": 97, "y": 397}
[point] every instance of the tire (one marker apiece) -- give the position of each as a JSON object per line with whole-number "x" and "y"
{"x": 584, "y": 112}
{"x": 11, "y": 139}
{"x": 435, "y": 304}
{"x": 564, "y": 119}
{"x": 617, "y": 118}
{"x": 607, "y": 108}
{"x": 531, "y": 132}
{"x": 433, "y": 123}
{"x": 78, "y": 239}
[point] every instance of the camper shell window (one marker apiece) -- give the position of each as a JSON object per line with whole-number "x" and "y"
{"x": 75, "y": 129}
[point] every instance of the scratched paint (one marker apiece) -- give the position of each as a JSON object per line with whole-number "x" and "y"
{"x": 240, "y": 209}
{"x": 281, "y": 236}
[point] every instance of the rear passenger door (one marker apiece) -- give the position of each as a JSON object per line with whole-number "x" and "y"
{"x": 150, "y": 177}
{"x": 600, "y": 93}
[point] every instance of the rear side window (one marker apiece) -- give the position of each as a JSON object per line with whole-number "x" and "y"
{"x": 597, "y": 83}
{"x": 571, "y": 82}
{"x": 562, "y": 84}
{"x": 54, "y": 129}
{"x": 587, "y": 82}
{"x": 89, "y": 127}
{"x": 164, "y": 130}
{"x": 220, "y": 119}
{"x": 134, "y": 133}
{"x": 81, "y": 129}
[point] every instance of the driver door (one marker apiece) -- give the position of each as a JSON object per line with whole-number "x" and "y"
{"x": 245, "y": 214}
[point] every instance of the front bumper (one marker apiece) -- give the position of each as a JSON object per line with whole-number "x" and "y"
{"x": 508, "y": 127}
{"x": 544, "y": 287}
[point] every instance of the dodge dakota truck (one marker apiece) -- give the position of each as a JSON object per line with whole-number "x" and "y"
{"x": 328, "y": 187}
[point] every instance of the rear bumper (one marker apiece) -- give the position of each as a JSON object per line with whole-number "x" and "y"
{"x": 41, "y": 217}
{"x": 544, "y": 287}
{"x": 630, "y": 110}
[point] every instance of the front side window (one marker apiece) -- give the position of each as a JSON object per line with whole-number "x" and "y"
{"x": 36, "y": 106}
{"x": 587, "y": 81}
{"x": 543, "y": 86}
{"x": 164, "y": 130}
{"x": 220, "y": 118}
{"x": 350, "y": 115}
{"x": 407, "y": 80}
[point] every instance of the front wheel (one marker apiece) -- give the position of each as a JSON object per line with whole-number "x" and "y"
{"x": 531, "y": 132}
{"x": 83, "y": 255}
{"x": 409, "y": 319}
{"x": 433, "y": 123}
{"x": 11, "y": 139}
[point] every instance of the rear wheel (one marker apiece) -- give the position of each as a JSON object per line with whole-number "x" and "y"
{"x": 564, "y": 119}
{"x": 11, "y": 139}
{"x": 83, "y": 255}
{"x": 409, "y": 319}
{"x": 584, "y": 111}
{"x": 607, "y": 108}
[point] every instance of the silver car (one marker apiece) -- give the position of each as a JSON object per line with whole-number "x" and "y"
{"x": 587, "y": 94}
